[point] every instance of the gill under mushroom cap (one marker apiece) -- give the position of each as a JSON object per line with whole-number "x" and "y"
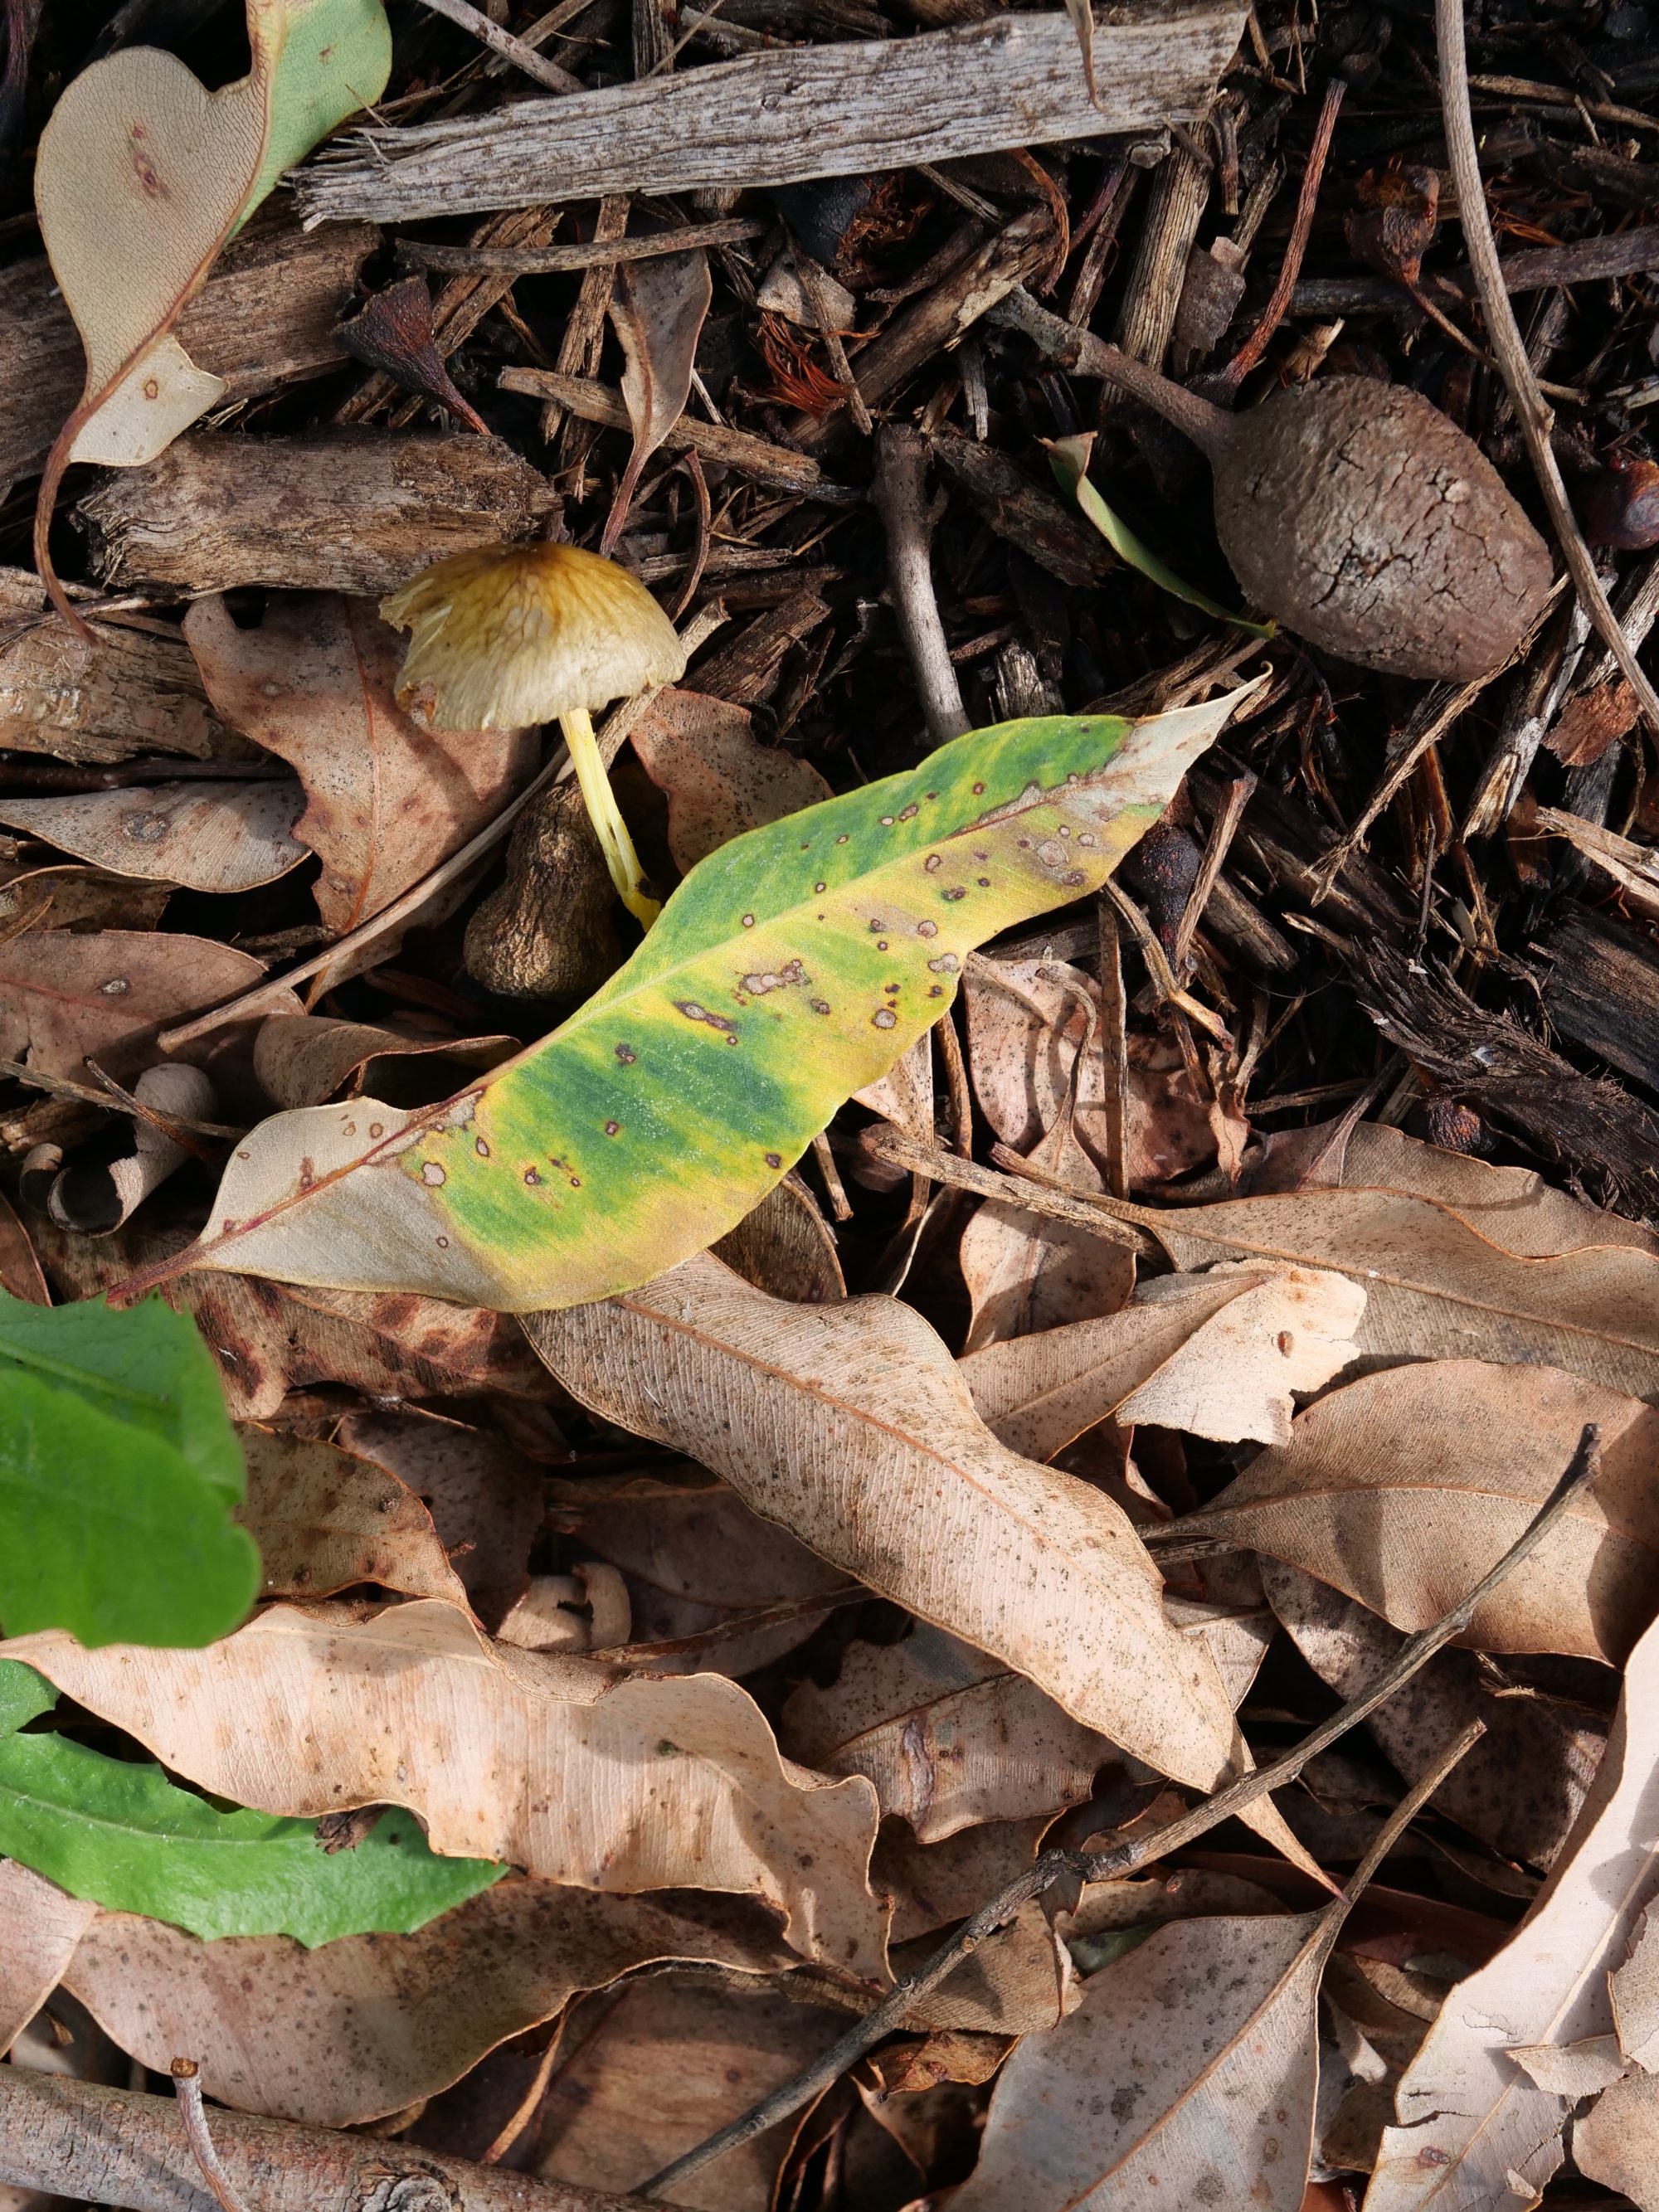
{"x": 522, "y": 634}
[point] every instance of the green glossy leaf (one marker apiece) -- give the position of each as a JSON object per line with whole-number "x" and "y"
{"x": 789, "y": 969}
{"x": 1069, "y": 460}
{"x": 119, "y": 1472}
{"x": 122, "y": 1835}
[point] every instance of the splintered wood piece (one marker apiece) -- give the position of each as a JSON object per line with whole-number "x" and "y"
{"x": 124, "y": 693}
{"x": 756, "y": 458}
{"x": 779, "y": 118}
{"x": 267, "y": 315}
{"x": 355, "y": 511}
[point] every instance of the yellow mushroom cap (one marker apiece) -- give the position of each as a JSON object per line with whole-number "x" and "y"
{"x": 522, "y": 634}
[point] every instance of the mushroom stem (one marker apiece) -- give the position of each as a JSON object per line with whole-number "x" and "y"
{"x": 603, "y": 813}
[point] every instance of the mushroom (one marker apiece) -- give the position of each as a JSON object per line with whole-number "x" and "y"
{"x": 514, "y": 635}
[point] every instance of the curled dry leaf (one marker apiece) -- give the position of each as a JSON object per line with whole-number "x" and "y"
{"x": 206, "y": 836}
{"x": 851, "y": 1425}
{"x": 66, "y": 998}
{"x": 1217, "y": 1355}
{"x": 718, "y": 779}
{"x": 545, "y": 1762}
{"x": 657, "y": 308}
{"x": 949, "y": 1737}
{"x": 1474, "y": 2128}
{"x": 131, "y": 235}
{"x": 300, "y": 1060}
{"x": 1616, "y": 2142}
{"x": 1027, "y": 1020}
{"x": 1206, "y": 2036}
{"x": 98, "y": 1198}
{"x": 1522, "y": 1787}
{"x": 272, "y": 1338}
{"x": 1634, "y": 1989}
{"x": 40, "y": 1927}
{"x": 671, "y": 1103}
{"x": 485, "y": 1502}
{"x": 387, "y": 799}
{"x": 69, "y": 897}
{"x": 1458, "y": 1260}
{"x": 1404, "y": 1488}
{"x": 323, "y": 1521}
{"x": 786, "y": 1247}
{"x": 370, "y": 2024}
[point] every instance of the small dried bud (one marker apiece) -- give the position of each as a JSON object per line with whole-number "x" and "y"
{"x": 1621, "y": 507}
{"x": 1164, "y": 870}
{"x": 1454, "y": 1127}
{"x": 394, "y": 334}
{"x": 1394, "y": 224}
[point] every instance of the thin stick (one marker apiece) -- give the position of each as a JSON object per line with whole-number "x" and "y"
{"x": 1229, "y": 378}
{"x": 187, "y": 2088}
{"x": 1531, "y": 410}
{"x": 1439, "y": 720}
{"x": 551, "y": 260}
{"x": 697, "y": 633}
{"x": 906, "y": 1151}
{"x": 901, "y": 496}
{"x": 1111, "y": 1865}
{"x": 1223, "y": 831}
{"x": 510, "y": 49}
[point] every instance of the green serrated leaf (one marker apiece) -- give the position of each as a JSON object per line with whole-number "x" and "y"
{"x": 1069, "y": 460}
{"x": 118, "y": 1470}
{"x": 789, "y": 969}
{"x": 126, "y": 1836}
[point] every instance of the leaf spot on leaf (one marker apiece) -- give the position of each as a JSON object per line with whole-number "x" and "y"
{"x": 481, "y": 1148}
{"x": 431, "y": 1172}
{"x": 841, "y": 839}
{"x": 749, "y": 921}
{"x": 820, "y": 1005}
{"x": 910, "y": 813}
{"x": 959, "y": 892}
{"x": 117, "y": 987}
{"x": 612, "y": 1128}
{"x": 933, "y": 863}
{"x": 926, "y": 929}
{"x": 946, "y": 964}
{"x": 626, "y": 1054}
{"x": 886, "y": 821}
{"x": 979, "y": 790}
{"x": 820, "y": 887}
{"x": 774, "y": 1159}
{"x": 885, "y": 1018}
{"x": 531, "y": 1176}
{"x": 695, "y": 1010}
{"x": 779, "y": 979}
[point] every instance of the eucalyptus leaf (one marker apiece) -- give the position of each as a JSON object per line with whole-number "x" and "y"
{"x": 1069, "y": 460}
{"x": 121, "y": 1834}
{"x": 119, "y": 1472}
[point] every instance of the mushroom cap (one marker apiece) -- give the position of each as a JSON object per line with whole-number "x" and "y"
{"x": 520, "y": 633}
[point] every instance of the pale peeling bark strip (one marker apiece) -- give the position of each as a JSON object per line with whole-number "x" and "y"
{"x": 779, "y": 118}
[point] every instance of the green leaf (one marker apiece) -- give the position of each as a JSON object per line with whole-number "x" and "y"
{"x": 122, "y": 1835}
{"x": 119, "y": 1472}
{"x": 790, "y": 968}
{"x": 1069, "y": 460}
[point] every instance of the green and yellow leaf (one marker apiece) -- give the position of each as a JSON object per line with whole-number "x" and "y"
{"x": 792, "y": 968}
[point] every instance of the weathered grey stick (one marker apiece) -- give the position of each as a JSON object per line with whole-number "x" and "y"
{"x": 88, "y": 2144}
{"x": 778, "y": 119}
{"x": 901, "y": 497}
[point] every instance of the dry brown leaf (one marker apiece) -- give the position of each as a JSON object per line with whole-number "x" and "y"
{"x": 697, "y": 1561}
{"x": 1634, "y": 1988}
{"x": 1021, "y": 1983}
{"x": 949, "y": 1737}
{"x": 657, "y": 308}
{"x": 545, "y": 1762}
{"x": 1187, "y": 2075}
{"x": 718, "y": 779}
{"x": 675, "y": 2056}
{"x": 272, "y": 1338}
{"x": 786, "y": 1247}
{"x": 851, "y": 1425}
{"x": 1616, "y": 2142}
{"x": 1404, "y": 1488}
{"x": 1026, "y": 1020}
{"x": 1469, "y": 2116}
{"x": 933, "y": 1884}
{"x": 316, "y": 685}
{"x": 1026, "y": 1274}
{"x": 1458, "y": 1260}
{"x": 485, "y": 1500}
{"x": 1522, "y": 1787}
{"x": 71, "y": 897}
{"x": 65, "y": 998}
{"x": 323, "y": 1521}
{"x": 302, "y": 1059}
{"x": 1217, "y": 1355}
{"x": 370, "y": 2024}
{"x": 206, "y": 836}
{"x": 39, "y": 1928}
